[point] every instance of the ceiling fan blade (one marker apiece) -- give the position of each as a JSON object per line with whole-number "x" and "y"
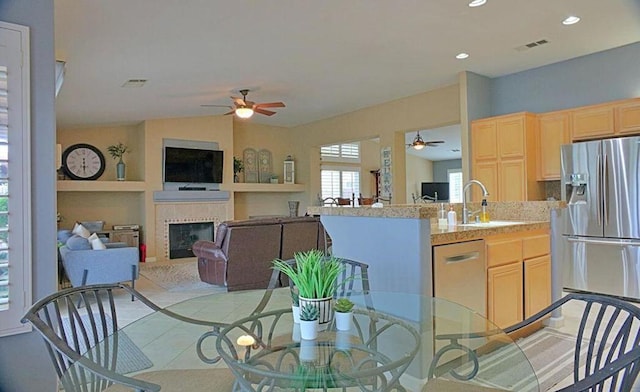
{"x": 262, "y": 111}
{"x": 231, "y": 112}
{"x": 238, "y": 101}
{"x": 270, "y": 105}
{"x": 435, "y": 142}
{"x": 216, "y": 106}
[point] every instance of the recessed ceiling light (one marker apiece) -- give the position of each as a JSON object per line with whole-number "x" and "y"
{"x": 571, "y": 20}
{"x": 477, "y": 3}
{"x": 462, "y": 56}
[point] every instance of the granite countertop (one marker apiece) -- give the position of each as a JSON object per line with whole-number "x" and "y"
{"x": 529, "y": 215}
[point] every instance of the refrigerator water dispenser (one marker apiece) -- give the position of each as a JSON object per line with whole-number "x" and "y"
{"x": 576, "y": 188}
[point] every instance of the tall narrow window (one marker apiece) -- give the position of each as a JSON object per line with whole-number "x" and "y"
{"x": 15, "y": 203}
{"x": 455, "y": 185}
{"x": 340, "y": 170}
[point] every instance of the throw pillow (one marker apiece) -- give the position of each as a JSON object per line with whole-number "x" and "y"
{"x": 75, "y": 242}
{"x": 81, "y": 230}
{"x": 96, "y": 242}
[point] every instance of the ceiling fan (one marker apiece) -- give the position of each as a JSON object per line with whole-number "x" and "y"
{"x": 245, "y": 109}
{"x": 419, "y": 143}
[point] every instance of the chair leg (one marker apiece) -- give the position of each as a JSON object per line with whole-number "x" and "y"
{"x": 133, "y": 281}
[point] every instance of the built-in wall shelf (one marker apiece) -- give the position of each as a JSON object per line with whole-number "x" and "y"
{"x": 100, "y": 186}
{"x": 250, "y": 187}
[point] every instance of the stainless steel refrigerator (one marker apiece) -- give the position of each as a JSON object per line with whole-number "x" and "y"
{"x": 601, "y": 185}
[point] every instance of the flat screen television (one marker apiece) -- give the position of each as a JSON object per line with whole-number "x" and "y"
{"x": 430, "y": 189}
{"x": 193, "y": 166}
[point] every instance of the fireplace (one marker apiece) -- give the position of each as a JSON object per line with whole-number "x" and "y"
{"x": 183, "y": 235}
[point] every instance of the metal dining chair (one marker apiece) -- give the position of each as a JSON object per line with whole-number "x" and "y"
{"x": 84, "y": 349}
{"x": 606, "y": 354}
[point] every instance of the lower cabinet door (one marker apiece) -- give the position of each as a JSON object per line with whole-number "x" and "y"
{"x": 537, "y": 284}
{"x": 504, "y": 287}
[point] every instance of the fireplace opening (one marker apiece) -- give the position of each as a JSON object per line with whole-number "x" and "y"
{"x": 183, "y": 235}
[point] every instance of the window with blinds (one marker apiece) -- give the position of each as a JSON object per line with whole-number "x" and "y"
{"x": 346, "y": 152}
{"x": 340, "y": 183}
{"x": 15, "y": 185}
{"x": 4, "y": 190}
{"x": 455, "y": 185}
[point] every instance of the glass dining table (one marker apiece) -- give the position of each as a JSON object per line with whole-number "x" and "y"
{"x": 397, "y": 342}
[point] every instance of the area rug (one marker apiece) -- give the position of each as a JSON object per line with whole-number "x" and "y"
{"x": 549, "y": 352}
{"x": 177, "y": 277}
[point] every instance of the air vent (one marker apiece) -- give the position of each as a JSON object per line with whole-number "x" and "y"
{"x": 134, "y": 83}
{"x": 531, "y": 45}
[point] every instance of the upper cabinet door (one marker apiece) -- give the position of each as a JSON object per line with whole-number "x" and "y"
{"x": 628, "y": 117}
{"x": 483, "y": 140}
{"x": 554, "y": 132}
{"x": 487, "y": 173}
{"x": 512, "y": 180}
{"x": 592, "y": 122}
{"x": 511, "y": 136}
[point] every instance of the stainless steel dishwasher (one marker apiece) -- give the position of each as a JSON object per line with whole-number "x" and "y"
{"x": 459, "y": 274}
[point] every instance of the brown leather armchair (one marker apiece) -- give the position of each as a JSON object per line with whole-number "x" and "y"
{"x": 241, "y": 256}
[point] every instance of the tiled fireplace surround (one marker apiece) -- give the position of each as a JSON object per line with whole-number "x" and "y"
{"x": 185, "y": 212}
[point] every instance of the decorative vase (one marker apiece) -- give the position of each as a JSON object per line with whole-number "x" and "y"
{"x": 295, "y": 311}
{"x": 343, "y": 320}
{"x": 295, "y": 332}
{"x": 120, "y": 170}
{"x": 325, "y": 309}
{"x": 308, "y": 350}
{"x": 309, "y": 330}
{"x": 236, "y": 178}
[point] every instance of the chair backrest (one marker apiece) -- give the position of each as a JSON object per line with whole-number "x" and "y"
{"x": 71, "y": 328}
{"x": 607, "y": 349}
{"x": 609, "y": 329}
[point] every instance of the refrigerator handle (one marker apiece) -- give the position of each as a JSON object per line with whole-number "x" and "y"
{"x": 605, "y": 189}
{"x": 599, "y": 187}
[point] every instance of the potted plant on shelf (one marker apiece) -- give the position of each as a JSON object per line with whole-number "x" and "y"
{"x": 344, "y": 314}
{"x": 315, "y": 276}
{"x": 238, "y": 167}
{"x": 309, "y": 322}
{"x": 117, "y": 151}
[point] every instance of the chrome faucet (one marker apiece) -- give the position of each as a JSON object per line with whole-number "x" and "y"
{"x": 465, "y": 211}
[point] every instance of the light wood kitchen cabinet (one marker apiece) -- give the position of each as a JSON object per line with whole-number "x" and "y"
{"x": 507, "y": 144}
{"x": 504, "y": 288}
{"x": 592, "y": 122}
{"x": 627, "y": 117}
{"x": 518, "y": 275}
{"x": 537, "y": 284}
{"x": 554, "y": 132}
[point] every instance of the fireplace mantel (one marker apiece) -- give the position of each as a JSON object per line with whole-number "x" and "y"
{"x": 190, "y": 196}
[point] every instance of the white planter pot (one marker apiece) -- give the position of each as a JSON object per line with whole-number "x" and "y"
{"x": 308, "y": 329}
{"x": 308, "y": 350}
{"x": 325, "y": 308}
{"x": 343, "y": 321}
{"x": 295, "y": 311}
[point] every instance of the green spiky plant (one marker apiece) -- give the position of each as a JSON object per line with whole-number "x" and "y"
{"x": 309, "y": 312}
{"x": 295, "y": 298}
{"x": 343, "y": 305}
{"x": 314, "y": 274}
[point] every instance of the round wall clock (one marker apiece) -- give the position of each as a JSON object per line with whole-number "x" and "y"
{"x": 83, "y": 162}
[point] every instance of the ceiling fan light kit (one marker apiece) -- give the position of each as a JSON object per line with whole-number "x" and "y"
{"x": 245, "y": 109}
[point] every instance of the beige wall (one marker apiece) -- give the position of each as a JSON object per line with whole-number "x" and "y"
{"x": 370, "y": 160}
{"x": 388, "y": 121}
{"x": 418, "y": 170}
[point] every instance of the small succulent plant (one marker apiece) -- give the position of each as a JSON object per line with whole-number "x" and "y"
{"x": 309, "y": 312}
{"x": 343, "y": 305}
{"x": 295, "y": 298}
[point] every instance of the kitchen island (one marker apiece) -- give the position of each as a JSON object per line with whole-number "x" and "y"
{"x": 397, "y": 241}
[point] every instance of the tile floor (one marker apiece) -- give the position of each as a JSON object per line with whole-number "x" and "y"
{"x": 131, "y": 311}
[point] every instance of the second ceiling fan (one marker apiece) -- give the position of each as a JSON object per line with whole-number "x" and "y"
{"x": 245, "y": 108}
{"x": 419, "y": 143}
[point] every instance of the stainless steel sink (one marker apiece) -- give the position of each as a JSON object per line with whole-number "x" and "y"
{"x": 493, "y": 224}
